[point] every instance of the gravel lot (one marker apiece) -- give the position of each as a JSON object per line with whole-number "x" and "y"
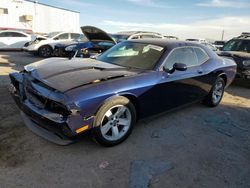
{"x": 193, "y": 147}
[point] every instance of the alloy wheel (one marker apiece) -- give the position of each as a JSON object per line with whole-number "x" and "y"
{"x": 116, "y": 122}
{"x": 217, "y": 92}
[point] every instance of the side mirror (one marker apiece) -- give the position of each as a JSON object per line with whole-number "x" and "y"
{"x": 176, "y": 66}
{"x": 180, "y": 66}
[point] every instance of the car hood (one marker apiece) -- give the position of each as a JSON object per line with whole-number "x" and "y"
{"x": 38, "y": 37}
{"x": 96, "y": 34}
{"x": 63, "y": 74}
{"x": 234, "y": 54}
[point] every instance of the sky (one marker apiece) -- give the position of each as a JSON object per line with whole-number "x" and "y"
{"x": 181, "y": 18}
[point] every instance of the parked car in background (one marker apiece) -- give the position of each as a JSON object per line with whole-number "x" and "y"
{"x": 209, "y": 45}
{"x": 95, "y": 41}
{"x": 44, "y": 47}
{"x": 219, "y": 44}
{"x": 35, "y": 38}
{"x": 197, "y": 40}
{"x": 13, "y": 40}
{"x": 238, "y": 49}
{"x": 171, "y": 37}
{"x": 61, "y": 98}
{"x": 204, "y": 42}
{"x": 128, "y": 35}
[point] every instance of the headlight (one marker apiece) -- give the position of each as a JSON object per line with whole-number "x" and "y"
{"x": 74, "y": 109}
{"x": 70, "y": 48}
{"x": 246, "y": 62}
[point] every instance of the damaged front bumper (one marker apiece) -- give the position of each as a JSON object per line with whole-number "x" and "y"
{"x": 52, "y": 126}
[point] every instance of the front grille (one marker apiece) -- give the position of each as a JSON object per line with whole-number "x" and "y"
{"x": 42, "y": 102}
{"x": 37, "y": 100}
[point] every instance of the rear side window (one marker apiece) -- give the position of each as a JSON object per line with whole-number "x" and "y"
{"x": 245, "y": 47}
{"x": 63, "y": 36}
{"x": 201, "y": 55}
{"x": 75, "y": 36}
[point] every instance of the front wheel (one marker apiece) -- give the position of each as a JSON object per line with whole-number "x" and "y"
{"x": 114, "y": 121}
{"x": 45, "y": 51}
{"x": 215, "y": 95}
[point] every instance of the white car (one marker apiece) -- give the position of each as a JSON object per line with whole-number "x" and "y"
{"x": 14, "y": 40}
{"x": 128, "y": 35}
{"x": 209, "y": 45}
{"x": 45, "y": 47}
{"x": 219, "y": 44}
{"x": 197, "y": 40}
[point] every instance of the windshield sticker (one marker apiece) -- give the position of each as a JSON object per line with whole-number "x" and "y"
{"x": 158, "y": 48}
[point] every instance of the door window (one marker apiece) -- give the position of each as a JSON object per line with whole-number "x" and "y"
{"x": 4, "y": 34}
{"x": 136, "y": 37}
{"x": 11, "y": 34}
{"x": 62, "y": 36}
{"x": 15, "y": 34}
{"x": 184, "y": 55}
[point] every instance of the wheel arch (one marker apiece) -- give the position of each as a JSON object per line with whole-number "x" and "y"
{"x": 223, "y": 76}
{"x": 134, "y": 100}
{"x": 46, "y": 45}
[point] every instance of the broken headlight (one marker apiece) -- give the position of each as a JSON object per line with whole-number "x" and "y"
{"x": 70, "y": 48}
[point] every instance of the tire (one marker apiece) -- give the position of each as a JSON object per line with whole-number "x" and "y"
{"x": 45, "y": 51}
{"x": 108, "y": 129}
{"x": 216, "y": 93}
{"x": 56, "y": 52}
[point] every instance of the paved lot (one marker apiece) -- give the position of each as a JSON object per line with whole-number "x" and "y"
{"x": 193, "y": 147}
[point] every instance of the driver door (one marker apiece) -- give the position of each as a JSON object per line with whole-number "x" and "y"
{"x": 180, "y": 87}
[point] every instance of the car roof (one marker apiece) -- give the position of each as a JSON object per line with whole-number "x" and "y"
{"x": 244, "y": 36}
{"x": 241, "y": 38}
{"x": 16, "y": 31}
{"x": 166, "y": 42}
{"x": 136, "y": 32}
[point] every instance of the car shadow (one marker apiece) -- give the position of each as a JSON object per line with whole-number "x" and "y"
{"x": 240, "y": 88}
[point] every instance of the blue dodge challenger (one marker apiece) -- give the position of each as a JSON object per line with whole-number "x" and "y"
{"x": 61, "y": 98}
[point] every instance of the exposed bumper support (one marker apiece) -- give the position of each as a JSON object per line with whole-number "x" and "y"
{"x": 48, "y": 135}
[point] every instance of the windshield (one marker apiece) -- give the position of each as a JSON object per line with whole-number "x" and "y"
{"x": 219, "y": 42}
{"x": 52, "y": 34}
{"x": 237, "y": 45}
{"x": 195, "y": 40}
{"x": 133, "y": 55}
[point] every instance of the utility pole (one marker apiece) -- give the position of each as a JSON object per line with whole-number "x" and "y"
{"x": 222, "y": 36}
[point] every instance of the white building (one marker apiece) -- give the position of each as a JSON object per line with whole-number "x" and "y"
{"x": 37, "y": 17}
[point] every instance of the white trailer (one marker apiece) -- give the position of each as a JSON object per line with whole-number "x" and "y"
{"x": 37, "y": 17}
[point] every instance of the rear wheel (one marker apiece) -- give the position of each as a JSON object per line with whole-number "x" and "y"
{"x": 216, "y": 93}
{"x": 45, "y": 51}
{"x": 114, "y": 121}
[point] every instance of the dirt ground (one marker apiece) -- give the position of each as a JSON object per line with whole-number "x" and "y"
{"x": 193, "y": 147}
